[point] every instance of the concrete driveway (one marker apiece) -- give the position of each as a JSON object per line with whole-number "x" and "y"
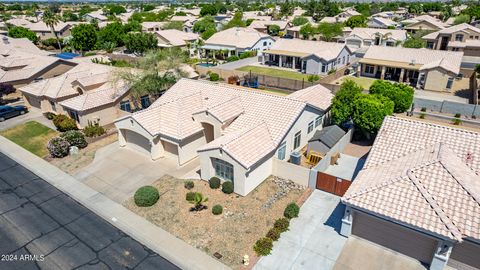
{"x": 360, "y": 254}
{"x": 33, "y": 115}
{"x": 117, "y": 172}
{"x": 313, "y": 241}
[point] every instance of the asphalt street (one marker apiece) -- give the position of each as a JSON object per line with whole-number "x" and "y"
{"x": 43, "y": 228}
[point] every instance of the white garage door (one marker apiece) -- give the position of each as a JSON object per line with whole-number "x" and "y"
{"x": 354, "y": 43}
{"x": 137, "y": 142}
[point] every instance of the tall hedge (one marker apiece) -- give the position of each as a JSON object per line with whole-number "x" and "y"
{"x": 400, "y": 94}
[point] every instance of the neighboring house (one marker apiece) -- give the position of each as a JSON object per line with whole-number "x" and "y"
{"x": 325, "y": 139}
{"x": 152, "y": 26}
{"x": 341, "y": 17}
{"x": 237, "y": 40}
{"x": 9, "y": 45}
{"x": 19, "y": 68}
{"x": 88, "y": 92}
{"x": 262, "y": 26}
{"x": 364, "y": 37}
{"x": 175, "y": 38}
{"x": 95, "y": 16}
{"x": 462, "y": 37}
{"x": 379, "y": 22}
{"x": 423, "y": 23}
{"x": 188, "y": 22}
{"x": 43, "y": 31}
{"x": 419, "y": 194}
{"x": 311, "y": 57}
{"x": 235, "y": 132}
{"x": 421, "y": 68}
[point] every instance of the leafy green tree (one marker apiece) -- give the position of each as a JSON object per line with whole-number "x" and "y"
{"x": 356, "y": 21}
{"x": 462, "y": 18}
{"x": 178, "y": 25}
{"x": 203, "y": 24}
{"x": 400, "y": 94}
{"x": 236, "y": 21}
{"x": 321, "y": 9}
{"x": 69, "y": 16}
{"x": 363, "y": 8}
{"x": 132, "y": 26}
{"x": 111, "y": 33}
{"x": 307, "y": 31}
{"x": 415, "y": 8}
{"x": 415, "y": 41}
{"x": 286, "y": 8}
{"x": 330, "y": 30}
{"x": 180, "y": 13}
{"x": 342, "y": 103}
{"x": 51, "y": 19}
{"x": 208, "y": 10}
{"x": 147, "y": 7}
{"x": 115, "y": 9}
{"x": 208, "y": 33}
{"x": 22, "y": 32}
{"x": 84, "y": 37}
{"x": 370, "y": 110}
{"x": 273, "y": 30}
{"x": 249, "y": 21}
{"x": 139, "y": 43}
{"x": 299, "y": 20}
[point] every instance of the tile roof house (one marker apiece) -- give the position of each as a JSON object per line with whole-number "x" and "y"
{"x": 323, "y": 140}
{"x": 311, "y": 57}
{"x": 462, "y": 37}
{"x": 379, "y": 22}
{"x": 237, "y": 40}
{"x": 9, "y": 45}
{"x": 19, "y": 67}
{"x": 235, "y": 131}
{"x": 423, "y": 23}
{"x": 96, "y": 16}
{"x": 43, "y": 31}
{"x": 419, "y": 193}
{"x": 421, "y": 68}
{"x": 175, "y": 38}
{"x": 87, "y": 92}
{"x": 364, "y": 37}
{"x": 262, "y": 25}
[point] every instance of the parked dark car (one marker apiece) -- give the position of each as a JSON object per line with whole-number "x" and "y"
{"x": 11, "y": 111}
{"x": 287, "y": 36}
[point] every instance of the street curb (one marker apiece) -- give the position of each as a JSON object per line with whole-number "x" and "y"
{"x": 160, "y": 241}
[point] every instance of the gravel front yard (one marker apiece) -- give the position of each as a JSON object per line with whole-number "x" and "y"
{"x": 231, "y": 234}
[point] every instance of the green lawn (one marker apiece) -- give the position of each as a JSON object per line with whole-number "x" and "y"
{"x": 275, "y": 91}
{"x": 362, "y": 81}
{"x": 275, "y": 72}
{"x": 32, "y": 136}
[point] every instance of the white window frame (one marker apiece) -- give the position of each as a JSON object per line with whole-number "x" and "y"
{"x": 310, "y": 127}
{"x": 297, "y": 139}
{"x": 223, "y": 169}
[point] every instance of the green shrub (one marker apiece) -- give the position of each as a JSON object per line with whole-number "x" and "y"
{"x": 232, "y": 58}
{"x": 263, "y": 246}
{"x": 422, "y": 116}
{"x": 64, "y": 123}
{"x": 75, "y": 138}
{"x": 190, "y": 196}
{"x": 456, "y": 121}
{"x": 214, "y": 182}
{"x": 331, "y": 71}
{"x": 313, "y": 78}
{"x": 58, "y": 147}
{"x": 424, "y": 109}
{"x": 217, "y": 209}
{"x": 93, "y": 130}
{"x": 188, "y": 184}
{"x": 214, "y": 77}
{"x": 282, "y": 224}
{"x": 227, "y": 187}
{"x": 457, "y": 115}
{"x": 291, "y": 211}
{"x": 146, "y": 196}
{"x": 49, "y": 115}
{"x": 274, "y": 234}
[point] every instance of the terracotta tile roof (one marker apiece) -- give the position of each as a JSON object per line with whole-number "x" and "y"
{"x": 10, "y": 45}
{"x": 262, "y": 24}
{"x": 424, "y": 176}
{"x": 317, "y": 96}
{"x": 257, "y": 122}
{"x": 236, "y": 37}
{"x": 176, "y": 37}
{"x": 22, "y": 66}
{"x": 451, "y": 30}
{"x": 370, "y": 33}
{"x": 447, "y": 60}
{"x": 426, "y": 18}
{"x": 323, "y": 50}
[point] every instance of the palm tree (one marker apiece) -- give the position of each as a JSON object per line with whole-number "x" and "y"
{"x": 50, "y": 19}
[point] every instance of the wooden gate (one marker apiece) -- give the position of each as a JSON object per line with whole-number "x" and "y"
{"x": 332, "y": 184}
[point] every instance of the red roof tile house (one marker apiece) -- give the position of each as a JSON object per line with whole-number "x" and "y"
{"x": 234, "y": 131}
{"x": 419, "y": 194}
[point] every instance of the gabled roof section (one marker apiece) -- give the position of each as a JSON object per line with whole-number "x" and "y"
{"x": 329, "y": 136}
{"x": 304, "y": 48}
{"x": 316, "y": 96}
{"x": 430, "y": 189}
{"x": 237, "y": 37}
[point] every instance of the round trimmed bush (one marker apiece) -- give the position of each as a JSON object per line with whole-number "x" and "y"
{"x": 75, "y": 138}
{"x": 214, "y": 77}
{"x": 146, "y": 196}
{"x": 282, "y": 224}
{"x": 227, "y": 187}
{"x": 64, "y": 123}
{"x": 190, "y": 196}
{"x": 188, "y": 185}
{"x": 217, "y": 209}
{"x": 263, "y": 246}
{"x": 214, "y": 182}
{"x": 274, "y": 234}
{"x": 58, "y": 147}
{"x": 291, "y": 211}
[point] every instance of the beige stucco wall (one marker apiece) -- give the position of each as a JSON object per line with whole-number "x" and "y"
{"x": 187, "y": 149}
{"x": 290, "y": 171}
{"x": 436, "y": 80}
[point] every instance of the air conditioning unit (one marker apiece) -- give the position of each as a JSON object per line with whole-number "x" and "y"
{"x": 295, "y": 158}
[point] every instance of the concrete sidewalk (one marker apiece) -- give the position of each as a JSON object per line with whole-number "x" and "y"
{"x": 155, "y": 238}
